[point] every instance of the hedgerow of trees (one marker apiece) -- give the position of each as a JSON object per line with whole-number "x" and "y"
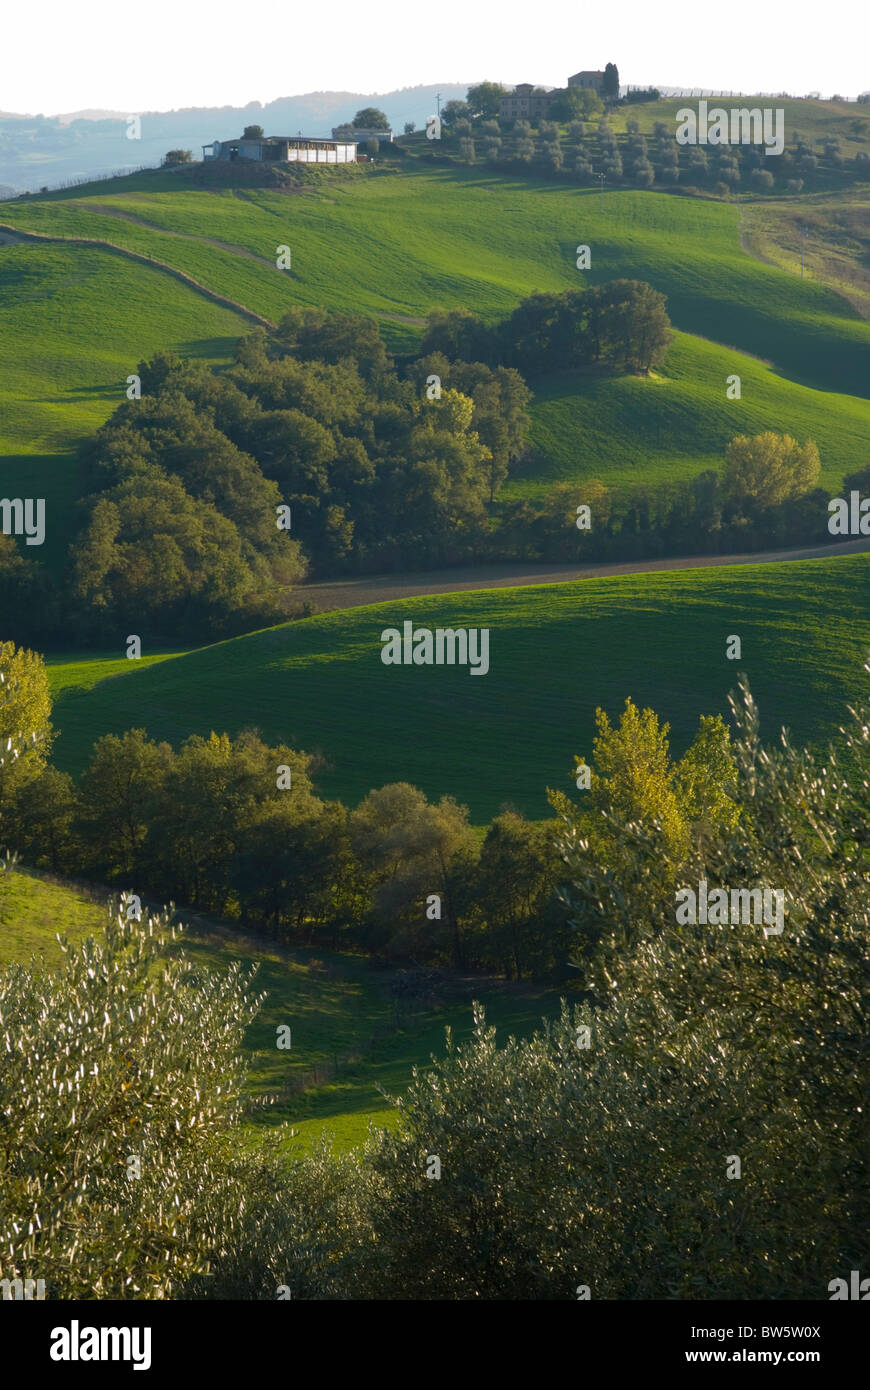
{"x": 215, "y": 826}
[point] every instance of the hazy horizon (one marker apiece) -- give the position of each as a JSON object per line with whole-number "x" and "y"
{"x": 171, "y": 59}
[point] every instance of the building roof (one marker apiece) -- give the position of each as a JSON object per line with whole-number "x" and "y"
{"x": 286, "y": 139}
{"x": 589, "y": 72}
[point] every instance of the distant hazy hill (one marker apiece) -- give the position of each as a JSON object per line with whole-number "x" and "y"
{"x": 38, "y": 151}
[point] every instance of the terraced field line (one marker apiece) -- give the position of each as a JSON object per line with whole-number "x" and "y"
{"x": 165, "y": 231}
{"x": 12, "y": 235}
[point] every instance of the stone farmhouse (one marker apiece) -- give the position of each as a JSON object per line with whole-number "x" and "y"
{"x": 527, "y": 101}
{"x": 589, "y": 81}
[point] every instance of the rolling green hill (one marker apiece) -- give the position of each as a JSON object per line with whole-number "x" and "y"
{"x": 348, "y": 1038}
{"x": 404, "y": 242}
{"x": 632, "y": 430}
{"x": 556, "y": 652}
{"x": 76, "y": 321}
{"x": 78, "y": 317}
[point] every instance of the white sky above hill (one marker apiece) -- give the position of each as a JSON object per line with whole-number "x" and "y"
{"x": 60, "y": 56}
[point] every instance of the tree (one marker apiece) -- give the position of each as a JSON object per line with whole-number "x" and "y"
{"x": 515, "y": 878}
{"x": 123, "y": 1052}
{"x": 409, "y": 127}
{"x": 485, "y": 98}
{"x": 413, "y": 849}
{"x": 26, "y": 733}
{"x": 457, "y": 333}
{"x": 761, "y": 180}
{"x": 38, "y": 820}
{"x": 313, "y": 334}
{"x": 769, "y": 468}
{"x": 610, "y": 85}
{"x": 574, "y": 103}
{"x": 634, "y": 776}
{"x": 173, "y": 157}
{"x": 215, "y": 789}
{"x": 629, "y": 322}
{"x": 253, "y": 132}
{"x": 175, "y": 560}
{"x": 370, "y": 118}
{"x": 638, "y": 824}
{"x": 117, "y": 799}
{"x": 499, "y": 416}
{"x": 454, "y": 111}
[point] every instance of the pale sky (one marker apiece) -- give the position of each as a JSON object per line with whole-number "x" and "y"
{"x": 160, "y": 55}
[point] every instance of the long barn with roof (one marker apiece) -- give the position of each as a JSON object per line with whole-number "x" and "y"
{"x": 283, "y": 149}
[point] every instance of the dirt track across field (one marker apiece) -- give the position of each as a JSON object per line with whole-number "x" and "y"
{"x": 380, "y": 588}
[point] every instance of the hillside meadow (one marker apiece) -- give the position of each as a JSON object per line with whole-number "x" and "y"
{"x": 401, "y": 243}
{"x": 632, "y": 431}
{"x": 556, "y": 653}
{"x": 348, "y": 1035}
{"x": 396, "y": 244}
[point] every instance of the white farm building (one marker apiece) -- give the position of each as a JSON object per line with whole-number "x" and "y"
{"x": 283, "y": 149}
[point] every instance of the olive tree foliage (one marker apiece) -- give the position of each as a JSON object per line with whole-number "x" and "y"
{"x": 120, "y": 1080}
{"x": 598, "y": 1152}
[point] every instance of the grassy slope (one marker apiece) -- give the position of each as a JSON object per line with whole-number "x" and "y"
{"x": 628, "y": 430}
{"x": 395, "y": 246}
{"x": 816, "y": 120}
{"x": 830, "y": 231}
{"x": 337, "y": 1007}
{"x": 75, "y": 324}
{"x": 556, "y": 652}
{"x": 404, "y": 242}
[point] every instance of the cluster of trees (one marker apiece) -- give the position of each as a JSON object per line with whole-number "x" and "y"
{"x": 695, "y": 1049}
{"x": 483, "y": 103}
{"x": 620, "y": 324}
{"x": 763, "y": 497}
{"x": 211, "y": 495}
{"x": 235, "y": 828}
{"x": 198, "y": 490}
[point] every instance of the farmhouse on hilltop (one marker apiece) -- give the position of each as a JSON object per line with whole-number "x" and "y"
{"x": 282, "y": 149}
{"x": 527, "y": 101}
{"x": 588, "y": 81}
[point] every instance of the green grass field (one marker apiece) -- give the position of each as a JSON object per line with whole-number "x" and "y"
{"x": 815, "y": 119}
{"x": 404, "y": 243}
{"x": 347, "y": 1039}
{"x": 76, "y": 322}
{"x": 78, "y": 319}
{"x": 631, "y": 430}
{"x": 556, "y": 652}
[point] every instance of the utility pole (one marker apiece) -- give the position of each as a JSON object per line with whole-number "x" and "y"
{"x": 602, "y": 179}
{"x": 438, "y": 99}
